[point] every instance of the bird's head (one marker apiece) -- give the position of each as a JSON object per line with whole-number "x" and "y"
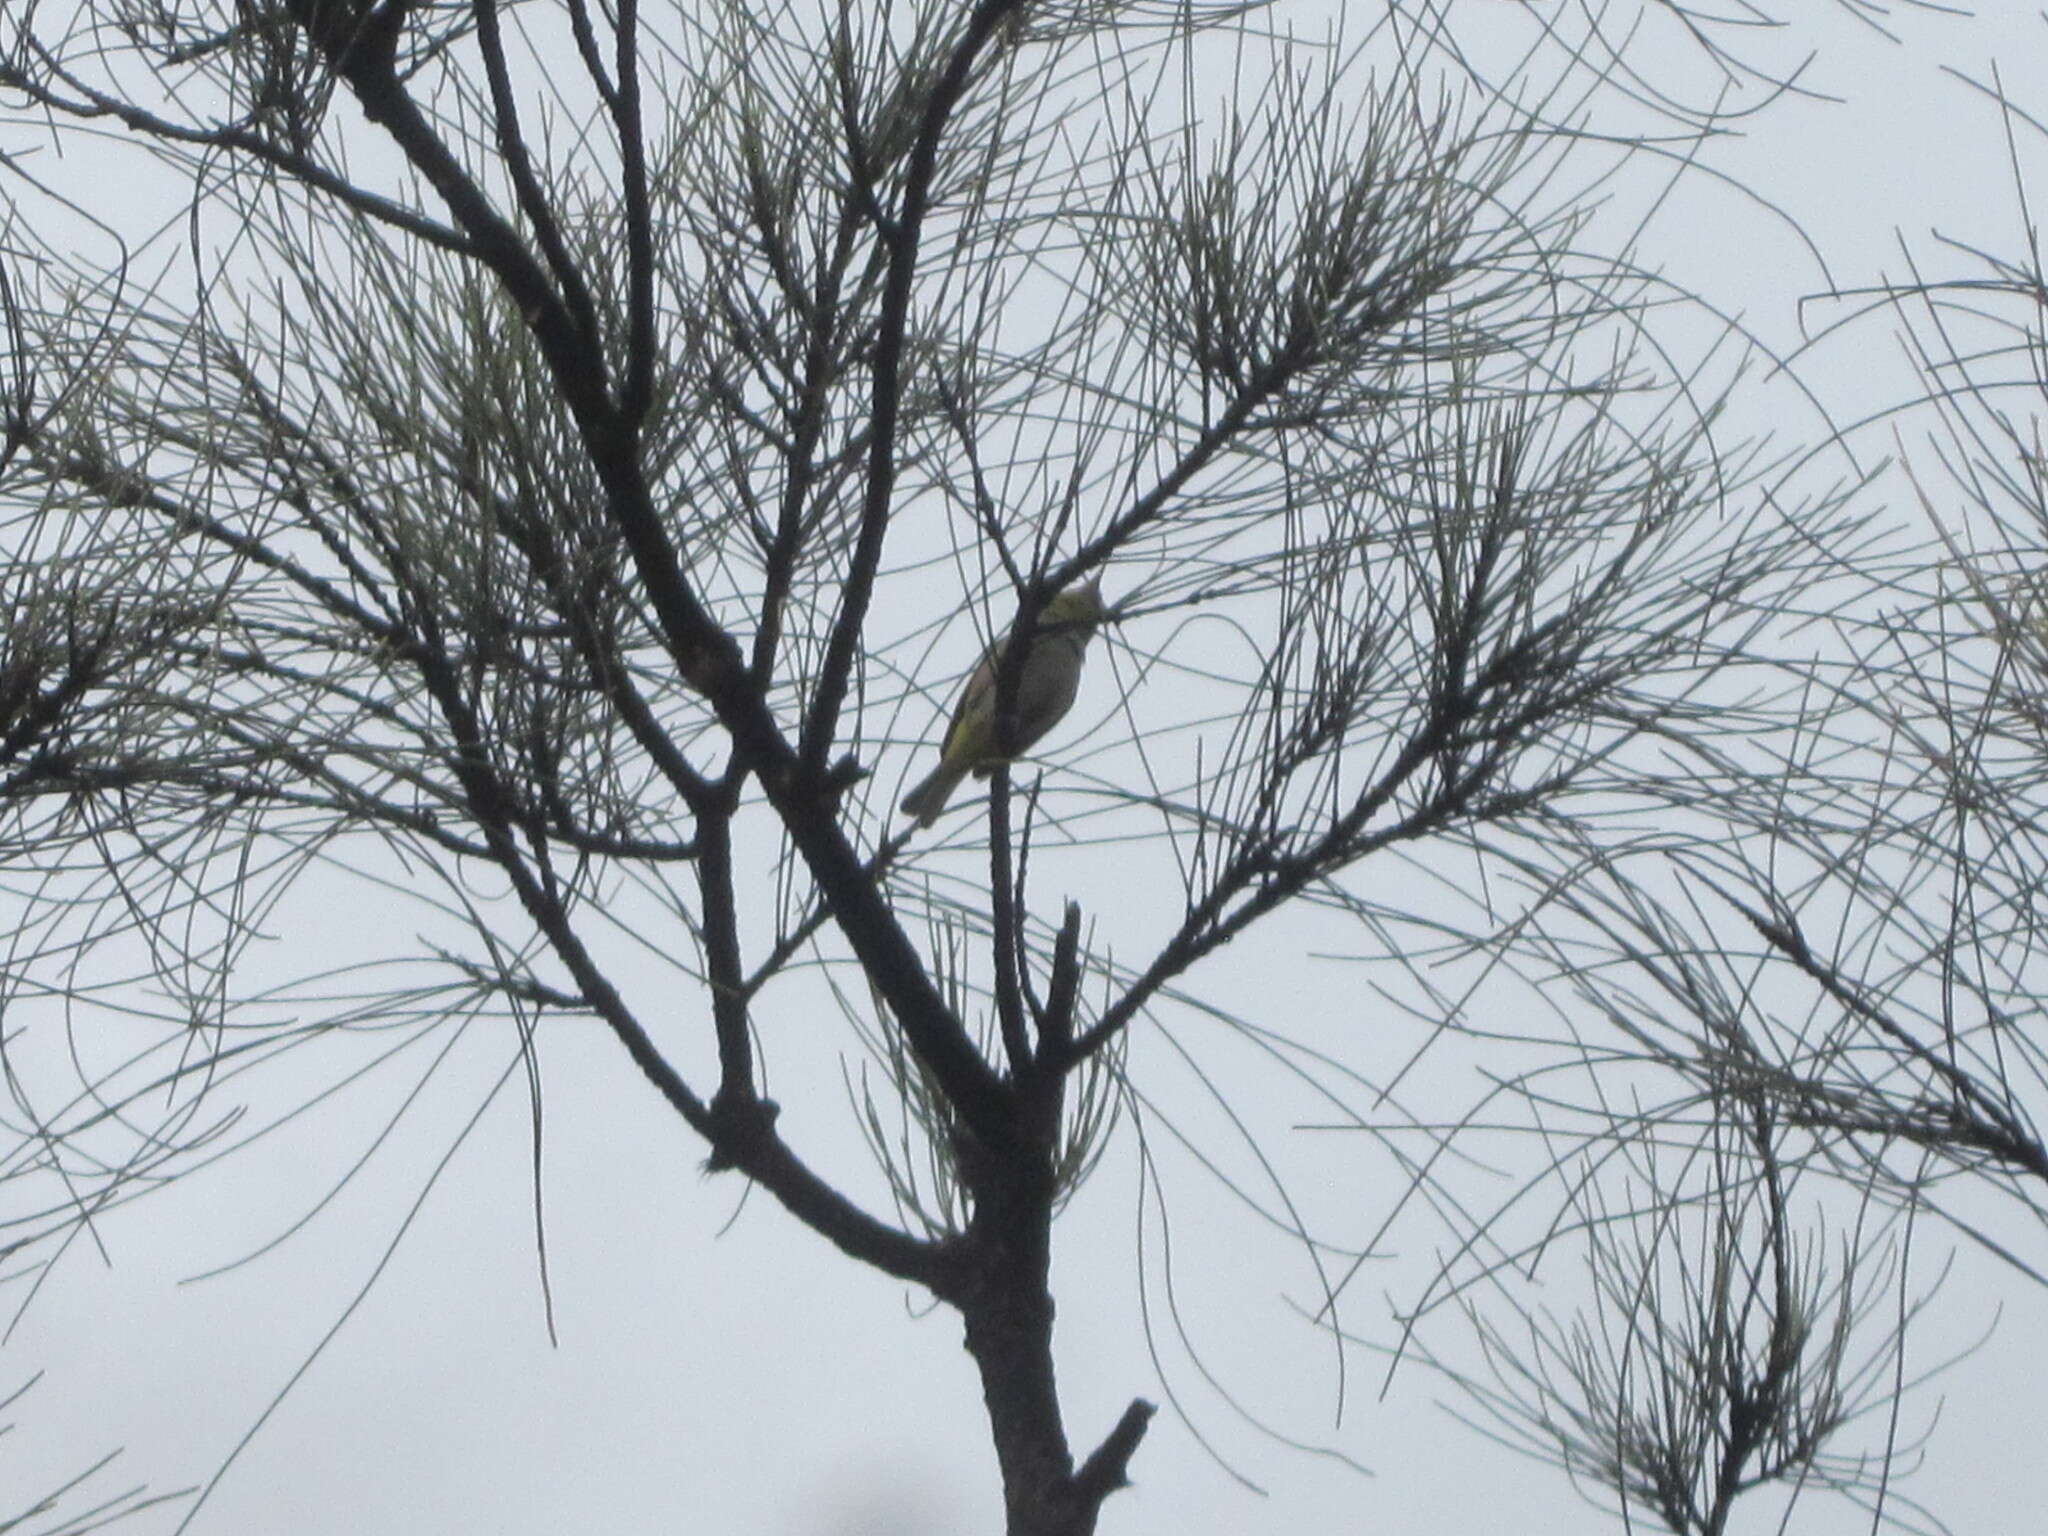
{"x": 1078, "y": 607}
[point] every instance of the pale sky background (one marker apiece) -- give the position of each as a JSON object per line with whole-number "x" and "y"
{"x": 722, "y": 1370}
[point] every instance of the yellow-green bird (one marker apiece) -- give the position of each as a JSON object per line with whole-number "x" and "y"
{"x": 1047, "y": 681}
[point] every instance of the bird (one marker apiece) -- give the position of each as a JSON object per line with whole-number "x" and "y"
{"x": 1047, "y": 680}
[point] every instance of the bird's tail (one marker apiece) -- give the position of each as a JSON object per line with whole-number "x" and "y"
{"x": 929, "y": 798}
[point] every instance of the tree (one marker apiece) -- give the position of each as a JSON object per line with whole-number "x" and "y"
{"x": 1835, "y": 984}
{"x": 555, "y": 498}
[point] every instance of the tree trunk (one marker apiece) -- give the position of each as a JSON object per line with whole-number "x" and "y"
{"x": 1010, "y": 1337}
{"x": 1009, "y": 1318}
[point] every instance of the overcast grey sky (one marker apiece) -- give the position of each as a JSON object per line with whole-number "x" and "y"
{"x": 719, "y": 1369}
